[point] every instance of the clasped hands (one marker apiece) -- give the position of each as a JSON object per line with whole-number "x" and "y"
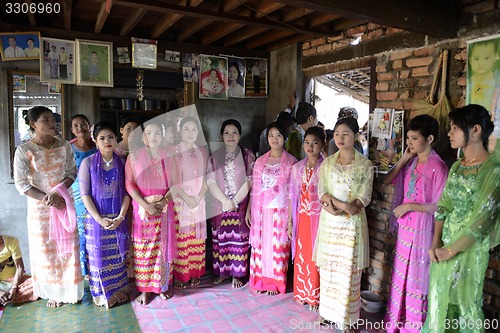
{"x": 439, "y": 254}
{"x": 6, "y": 297}
{"x": 343, "y": 207}
{"x": 54, "y": 200}
{"x": 109, "y": 223}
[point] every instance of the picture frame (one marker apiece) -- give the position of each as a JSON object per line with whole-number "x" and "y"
{"x": 256, "y": 78}
{"x": 18, "y": 83}
{"x": 20, "y": 45}
{"x": 236, "y": 75}
{"x": 94, "y": 61}
{"x": 54, "y": 88}
{"x": 213, "y": 78}
{"x": 123, "y": 55}
{"x": 57, "y": 60}
{"x": 144, "y": 53}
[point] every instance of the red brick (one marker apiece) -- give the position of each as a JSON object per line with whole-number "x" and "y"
{"x": 419, "y": 62}
{"x": 404, "y": 95}
{"x": 492, "y": 287}
{"x": 390, "y": 104}
{"x": 404, "y": 74}
{"x": 382, "y": 86}
{"x": 380, "y": 204}
{"x": 420, "y": 71}
{"x": 462, "y": 56}
{"x": 376, "y": 263}
{"x": 324, "y": 48}
{"x": 379, "y": 255}
{"x": 408, "y": 105}
{"x": 383, "y": 188}
{"x": 400, "y": 54}
{"x": 306, "y": 45}
{"x": 423, "y": 51}
{"x": 335, "y": 38}
{"x": 425, "y": 82}
{"x": 462, "y": 81}
{"x": 487, "y": 298}
{"x": 356, "y": 30}
{"x": 397, "y": 64}
{"x": 490, "y": 273}
{"x": 387, "y": 96}
{"x": 381, "y": 68}
{"x": 318, "y": 42}
{"x": 494, "y": 263}
{"x": 420, "y": 94}
{"x": 373, "y": 26}
{"x": 375, "y": 284}
{"x": 385, "y": 77}
{"x": 372, "y": 34}
{"x": 309, "y": 52}
{"x": 376, "y": 244}
{"x": 390, "y": 30}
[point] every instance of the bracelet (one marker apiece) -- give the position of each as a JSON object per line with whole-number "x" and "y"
{"x": 449, "y": 251}
{"x": 121, "y": 216}
{"x": 325, "y": 204}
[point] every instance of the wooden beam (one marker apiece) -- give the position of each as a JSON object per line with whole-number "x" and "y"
{"x": 31, "y": 16}
{"x": 295, "y": 13}
{"x": 354, "y": 94}
{"x": 191, "y": 30}
{"x": 219, "y": 16}
{"x": 102, "y": 17}
{"x": 431, "y": 17}
{"x": 244, "y": 34}
{"x": 322, "y": 18}
{"x": 363, "y": 74}
{"x": 67, "y": 4}
{"x": 132, "y": 20}
{"x": 264, "y": 9}
{"x": 267, "y": 38}
{"x": 354, "y": 83}
{"x": 170, "y": 19}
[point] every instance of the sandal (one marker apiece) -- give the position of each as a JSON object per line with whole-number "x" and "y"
{"x": 166, "y": 295}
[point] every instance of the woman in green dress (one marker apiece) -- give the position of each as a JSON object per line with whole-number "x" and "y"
{"x": 466, "y": 227}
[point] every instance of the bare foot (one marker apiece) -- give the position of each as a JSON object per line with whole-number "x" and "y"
{"x": 300, "y": 302}
{"x": 194, "y": 282}
{"x": 122, "y": 298}
{"x": 237, "y": 283}
{"x": 166, "y": 295}
{"x": 320, "y": 321}
{"x": 272, "y": 292}
{"x": 142, "y": 299}
{"x": 260, "y": 291}
{"x": 179, "y": 285}
{"x": 220, "y": 279}
{"x": 314, "y": 307}
{"x": 54, "y": 304}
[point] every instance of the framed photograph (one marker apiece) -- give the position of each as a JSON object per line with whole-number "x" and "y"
{"x": 123, "y": 55}
{"x": 213, "y": 79}
{"x": 19, "y": 46}
{"x": 54, "y": 88}
{"x": 172, "y": 56}
{"x": 483, "y": 79}
{"x": 256, "y": 78}
{"x": 94, "y": 61}
{"x": 386, "y": 140}
{"x": 57, "y": 63}
{"x": 18, "y": 83}
{"x": 236, "y": 73}
{"x": 144, "y": 53}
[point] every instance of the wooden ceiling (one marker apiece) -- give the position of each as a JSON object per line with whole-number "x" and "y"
{"x": 241, "y": 24}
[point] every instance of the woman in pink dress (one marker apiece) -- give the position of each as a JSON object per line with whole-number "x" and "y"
{"x": 303, "y": 222}
{"x": 267, "y": 215}
{"x": 420, "y": 176}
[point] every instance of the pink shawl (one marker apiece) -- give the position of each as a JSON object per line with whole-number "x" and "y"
{"x": 295, "y": 187}
{"x": 259, "y": 196}
{"x": 432, "y": 183}
{"x": 63, "y": 222}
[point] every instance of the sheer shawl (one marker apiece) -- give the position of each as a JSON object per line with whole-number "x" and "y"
{"x": 243, "y": 165}
{"x": 139, "y": 177}
{"x": 278, "y": 195}
{"x": 432, "y": 182}
{"x": 91, "y": 178}
{"x": 361, "y": 189}
{"x": 296, "y": 180}
{"x": 63, "y": 222}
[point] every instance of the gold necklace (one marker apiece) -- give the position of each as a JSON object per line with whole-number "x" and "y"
{"x": 43, "y": 146}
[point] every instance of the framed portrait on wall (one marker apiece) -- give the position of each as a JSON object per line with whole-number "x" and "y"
{"x": 213, "y": 78}
{"x": 19, "y": 46}
{"x": 57, "y": 63}
{"x": 386, "y": 138}
{"x": 94, "y": 61}
{"x": 256, "y": 78}
{"x": 18, "y": 83}
{"x": 483, "y": 78}
{"x": 144, "y": 53}
{"x": 236, "y": 73}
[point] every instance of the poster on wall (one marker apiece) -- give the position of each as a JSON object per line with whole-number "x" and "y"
{"x": 213, "y": 78}
{"x": 386, "y": 138}
{"x": 57, "y": 63}
{"x": 483, "y": 78}
{"x": 256, "y": 78}
{"x": 236, "y": 73}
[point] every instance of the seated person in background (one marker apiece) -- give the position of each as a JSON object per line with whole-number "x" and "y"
{"x": 15, "y": 286}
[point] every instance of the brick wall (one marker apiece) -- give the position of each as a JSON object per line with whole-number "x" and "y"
{"x": 404, "y": 74}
